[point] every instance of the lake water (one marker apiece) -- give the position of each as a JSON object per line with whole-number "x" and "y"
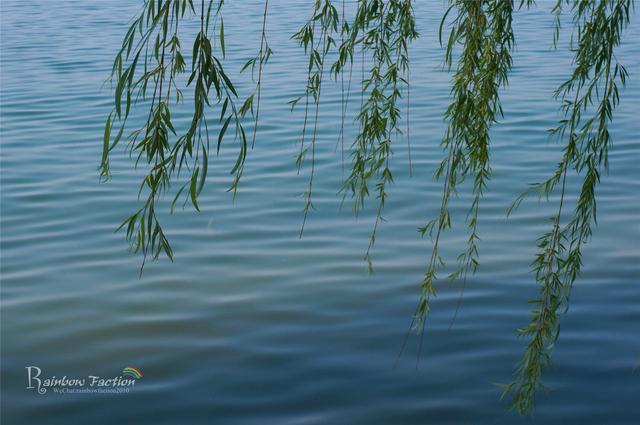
{"x": 253, "y": 325}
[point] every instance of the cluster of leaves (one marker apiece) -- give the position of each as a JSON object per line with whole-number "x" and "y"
{"x": 588, "y": 99}
{"x": 317, "y": 36}
{"x": 147, "y": 69}
{"x": 383, "y": 30}
{"x": 149, "y": 66}
{"x": 386, "y": 30}
{"x": 483, "y": 30}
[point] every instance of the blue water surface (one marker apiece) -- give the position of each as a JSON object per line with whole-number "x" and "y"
{"x": 251, "y": 324}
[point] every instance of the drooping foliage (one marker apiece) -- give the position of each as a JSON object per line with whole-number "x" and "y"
{"x": 588, "y": 98}
{"x": 151, "y": 70}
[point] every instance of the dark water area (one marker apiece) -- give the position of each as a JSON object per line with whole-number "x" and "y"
{"x": 252, "y": 325}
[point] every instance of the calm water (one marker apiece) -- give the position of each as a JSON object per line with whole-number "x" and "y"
{"x": 251, "y": 325}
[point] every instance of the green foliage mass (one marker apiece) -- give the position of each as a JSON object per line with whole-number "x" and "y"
{"x": 148, "y": 67}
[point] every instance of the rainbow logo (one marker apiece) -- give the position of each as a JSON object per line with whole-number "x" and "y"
{"x": 132, "y": 372}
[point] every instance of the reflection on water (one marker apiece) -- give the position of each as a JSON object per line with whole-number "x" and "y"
{"x": 253, "y": 325}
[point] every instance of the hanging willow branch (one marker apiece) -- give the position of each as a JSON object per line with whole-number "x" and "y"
{"x": 150, "y": 71}
{"x": 385, "y": 30}
{"x": 146, "y": 70}
{"x": 588, "y": 98}
{"x": 484, "y": 32}
{"x": 260, "y": 60}
{"x": 325, "y": 15}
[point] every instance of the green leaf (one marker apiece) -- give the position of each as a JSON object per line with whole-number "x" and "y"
{"x": 193, "y": 189}
{"x": 222, "y": 37}
{"x": 205, "y": 167}
{"x": 105, "y": 141}
{"x": 175, "y": 198}
{"x": 222, "y": 131}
